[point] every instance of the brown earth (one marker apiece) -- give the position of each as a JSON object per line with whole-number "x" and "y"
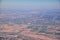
{"x": 23, "y": 30}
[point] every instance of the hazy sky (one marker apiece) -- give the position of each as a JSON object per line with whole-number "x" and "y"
{"x": 30, "y": 4}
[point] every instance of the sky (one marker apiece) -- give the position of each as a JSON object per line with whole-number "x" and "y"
{"x": 30, "y": 4}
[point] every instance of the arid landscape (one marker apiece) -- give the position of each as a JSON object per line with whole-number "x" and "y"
{"x": 21, "y": 32}
{"x": 29, "y": 24}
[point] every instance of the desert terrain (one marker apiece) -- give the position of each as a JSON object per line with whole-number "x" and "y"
{"x": 29, "y": 24}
